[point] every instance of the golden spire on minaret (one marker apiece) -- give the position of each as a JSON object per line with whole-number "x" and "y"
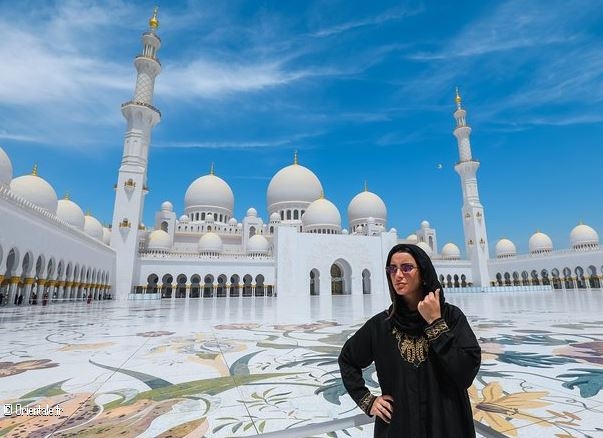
{"x": 34, "y": 171}
{"x": 153, "y": 21}
{"x": 457, "y": 99}
{"x": 66, "y": 197}
{"x": 295, "y": 158}
{"x": 211, "y": 170}
{"x": 322, "y": 194}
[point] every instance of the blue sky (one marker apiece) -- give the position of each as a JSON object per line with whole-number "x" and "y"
{"x": 364, "y": 91}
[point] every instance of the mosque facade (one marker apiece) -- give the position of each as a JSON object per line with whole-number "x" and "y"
{"x": 51, "y": 251}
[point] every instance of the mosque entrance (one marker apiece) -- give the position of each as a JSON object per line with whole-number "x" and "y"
{"x": 336, "y": 280}
{"x": 314, "y": 282}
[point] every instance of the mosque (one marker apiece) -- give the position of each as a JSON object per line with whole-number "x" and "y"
{"x": 50, "y": 251}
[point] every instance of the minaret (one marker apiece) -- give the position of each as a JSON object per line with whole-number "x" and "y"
{"x": 131, "y": 185}
{"x": 474, "y": 221}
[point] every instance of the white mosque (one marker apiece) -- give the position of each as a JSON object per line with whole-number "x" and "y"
{"x": 51, "y": 251}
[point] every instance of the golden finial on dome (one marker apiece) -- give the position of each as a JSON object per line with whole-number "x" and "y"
{"x": 322, "y": 194}
{"x": 365, "y": 186}
{"x": 66, "y": 197}
{"x": 457, "y": 99}
{"x": 211, "y": 170}
{"x": 88, "y": 212}
{"x": 153, "y": 21}
{"x": 34, "y": 171}
{"x": 295, "y": 157}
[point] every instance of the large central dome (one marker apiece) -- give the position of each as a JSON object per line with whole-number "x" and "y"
{"x": 293, "y": 184}
{"x": 209, "y": 191}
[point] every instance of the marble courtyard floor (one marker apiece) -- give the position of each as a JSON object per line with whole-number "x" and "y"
{"x": 229, "y": 367}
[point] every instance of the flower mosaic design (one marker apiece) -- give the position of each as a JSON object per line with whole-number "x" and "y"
{"x": 310, "y": 327}
{"x": 497, "y": 409}
{"x": 154, "y": 334}
{"x": 591, "y": 352}
{"x": 12, "y": 368}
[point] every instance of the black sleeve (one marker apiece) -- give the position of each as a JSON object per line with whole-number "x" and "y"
{"x": 455, "y": 347}
{"x": 356, "y": 354}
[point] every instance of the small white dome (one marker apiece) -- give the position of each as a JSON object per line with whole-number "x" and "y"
{"x": 412, "y": 238}
{"x": 252, "y": 212}
{"x": 322, "y": 213}
{"x": 167, "y": 206}
{"x": 159, "y": 240}
{"x": 583, "y": 236}
{"x": 364, "y": 205}
{"x": 425, "y": 224}
{"x": 393, "y": 231}
{"x": 425, "y": 247}
{"x": 93, "y": 227}
{"x": 209, "y": 217}
{"x": 210, "y": 242}
{"x": 209, "y": 191}
{"x": 505, "y": 248}
{"x": 275, "y": 217}
{"x": 70, "y": 212}
{"x": 257, "y": 244}
{"x": 345, "y": 231}
{"x": 6, "y": 169}
{"x": 184, "y": 219}
{"x": 540, "y": 243}
{"x": 293, "y": 184}
{"x": 35, "y": 189}
{"x": 451, "y": 252}
{"x": 107, "y": 236}
{"x": 232, "y": 222}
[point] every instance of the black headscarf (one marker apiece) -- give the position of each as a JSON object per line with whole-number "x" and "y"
{"x": 411, "y": 321}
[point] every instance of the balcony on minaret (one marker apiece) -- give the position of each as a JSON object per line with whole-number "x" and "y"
{"x": 124, "y": 223}
{"x": 129, "y": 185}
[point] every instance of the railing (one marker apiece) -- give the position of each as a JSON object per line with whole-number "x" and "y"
{"x": 487, "y": 289}
{"x": 224, "y": 256}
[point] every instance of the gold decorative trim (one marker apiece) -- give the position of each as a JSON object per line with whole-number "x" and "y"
{"x": 434, "y": 331}
{"x": 413, "y": 349}
{"x": 366, "y": 403}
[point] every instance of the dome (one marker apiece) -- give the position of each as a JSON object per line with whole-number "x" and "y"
{"x": 425, "y": 224}
{"x": 258, "y": 244}
{"x": 505, "y": 248}
{"x": 209, "y": 191}
{"x": 425, "y": 247}
{"x": 451, "y": 252}
{"x": 107, "y": 236}
{"x": 540, "y": 243}
{"x": 583, "y": 236}
{"x": 93, "y": 227}
{"x": 184, "y": 219}
{"x": 70, "y": 212}
{"x": 252, "y": 212}
{"x": 36, "y": 190}
{"x": 232, "y": 222}
{"x": 345, "y": 231}
{"x": 393, "y": 231}
{"x": 322, "y": 213}
{"x": 364, "y": 205}
{"x": 167, "y": 206}
{"x": 412, "y": 238}
{"x": 210, "y": 242}
{"x": 275, "y": 217}
{"x": 6, "y": 169}
{"x": 159, "y": 240}
{"x": 294, "y": 183}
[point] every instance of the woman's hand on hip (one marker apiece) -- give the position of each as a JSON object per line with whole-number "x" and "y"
{"x": 383, "y": 407}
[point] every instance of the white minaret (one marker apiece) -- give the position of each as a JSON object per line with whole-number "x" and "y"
{"x": 131, "y": 185}
{"x": 474, "y": 221}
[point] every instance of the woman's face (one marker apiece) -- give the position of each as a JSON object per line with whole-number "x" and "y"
{"x": 406, "y": 279}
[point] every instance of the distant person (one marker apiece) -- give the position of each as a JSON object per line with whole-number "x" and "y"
{"x": 425, "y": 354}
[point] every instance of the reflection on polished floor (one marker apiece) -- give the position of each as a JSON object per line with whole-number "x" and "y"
{"x": 223, "y": 367}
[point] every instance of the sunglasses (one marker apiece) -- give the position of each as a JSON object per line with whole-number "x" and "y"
{"x": 405, "y": 268}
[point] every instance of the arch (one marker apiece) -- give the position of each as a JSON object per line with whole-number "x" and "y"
{"x": 535, "y": 280}
{"x": 195, "y": 286}
{"x": 166, "y": 286}
{"x": 181, "y": 286}
{"x": 314, "y": 282}
{"x": 516, "y": 281}
{"x": 221, "y": 288}
{"x": 525, "y": 278}
{"x": 593, "y": 278}
{"x": 456, "y": 280}
{"x": 580, "y": 280}
{"x": 208, "y": 286}
{"x": 366, "y": 282}
{"x": 152, "y": 281}
{"x": 235, "y": 286}
{"x": 556, "y": 279}
{"x": 247, "y": 287}
{"x": 164, "y": 226}
{"x": 463, "y": 280}
{"x": 336, "y": 280}
{"x": 449, "y": 280}
{"x": 545, "y": 277}
{"x": 259, "y": 285}
{"x": 499, "y": 279}
{"x": 12, "y": 261}
{"x": 568, "y": 281}
{"x": 507, "y": 279}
